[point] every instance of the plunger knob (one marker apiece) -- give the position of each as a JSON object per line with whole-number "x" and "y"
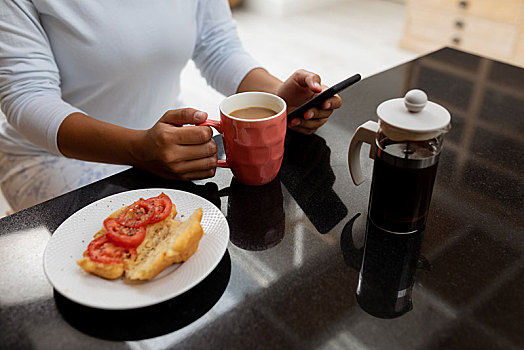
{"x": 415, "y": 100}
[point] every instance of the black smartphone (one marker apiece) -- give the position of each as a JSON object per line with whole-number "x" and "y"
{"x": 320, "y": 98}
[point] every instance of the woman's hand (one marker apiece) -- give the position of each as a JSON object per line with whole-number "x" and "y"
{"x": 299, "y": 88}
{"x": 175, "y": 152}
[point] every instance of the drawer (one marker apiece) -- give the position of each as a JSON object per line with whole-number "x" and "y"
{"x": 518, "y": 56}
{"x": 497, "y": 10}
{"x": 462, "y": 31}
{"x": 493, "y": 39}
{"x": 429, "y": 24}
{"x": 521, "y": 18}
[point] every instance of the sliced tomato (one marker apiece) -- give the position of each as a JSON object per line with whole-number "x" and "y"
{"x": 125, "y": 236}
{"x": 137, "y": 214}
{"x": 104, "y": 251}
{"x": 162, "y": 207}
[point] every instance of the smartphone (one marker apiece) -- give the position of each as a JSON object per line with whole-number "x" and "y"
{"x": 324, "y": 95}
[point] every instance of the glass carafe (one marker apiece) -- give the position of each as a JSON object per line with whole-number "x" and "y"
{"x": 405, "y": 145}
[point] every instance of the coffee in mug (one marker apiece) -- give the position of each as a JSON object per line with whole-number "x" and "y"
{"x": 253, "y": 113}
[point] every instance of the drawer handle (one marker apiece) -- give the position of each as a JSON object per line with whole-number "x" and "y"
{"x": 459, "y": 24}
{"x": 456, "y": 41}
{"x": 463, "y": 4}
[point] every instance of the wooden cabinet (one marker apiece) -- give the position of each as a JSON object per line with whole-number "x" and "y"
{"x": 492, "y": 28}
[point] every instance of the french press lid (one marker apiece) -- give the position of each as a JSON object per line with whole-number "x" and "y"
{"x": 413, "y": 117}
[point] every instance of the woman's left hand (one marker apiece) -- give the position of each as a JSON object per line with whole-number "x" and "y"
{"x": 299, "y": 88}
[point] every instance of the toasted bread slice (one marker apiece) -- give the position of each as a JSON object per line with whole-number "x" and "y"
{"x": 167, "y": 242}
{"x": 174, "y": 243}
{"x": 109, "y": 271}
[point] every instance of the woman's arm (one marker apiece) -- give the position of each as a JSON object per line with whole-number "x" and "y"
{"x": 259, "y": 79}
{"x": 167, "y": 149}
{"x": 85, "y": 138}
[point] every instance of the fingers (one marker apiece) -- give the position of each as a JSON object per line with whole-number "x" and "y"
{"x": 314, "y": 118}
{"x": 185, "y": 162}
{"x": 308, "y": 126}
{"x": 179, "y": 152}
{"x": 323, "y": 112}
{"x": 184, "y": 116}
{"x": 316, "y": 113}
{"x": 308, "y": 79}
{"x": 332, "y": 103}
{"x": 312, "y": 123}
{"x": 168, "y": 129}
{"x": 195, "y": 168}
{"x": 192, "y": 135}
{"x": 184, "y": 153}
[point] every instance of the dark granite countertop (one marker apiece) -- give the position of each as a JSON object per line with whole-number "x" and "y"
{"x": 291, "y": 270}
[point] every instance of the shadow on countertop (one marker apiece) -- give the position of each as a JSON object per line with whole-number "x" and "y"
{"x": 151, "y": 321}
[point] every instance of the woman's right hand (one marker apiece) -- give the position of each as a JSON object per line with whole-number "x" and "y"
{"x": 175, "y": 152}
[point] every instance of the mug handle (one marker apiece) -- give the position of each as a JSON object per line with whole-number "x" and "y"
{"x": 367, "y": 133}
{"x": 221, "y": 163}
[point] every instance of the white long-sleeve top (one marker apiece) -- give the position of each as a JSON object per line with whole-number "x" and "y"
{"x": 116, "y": 60}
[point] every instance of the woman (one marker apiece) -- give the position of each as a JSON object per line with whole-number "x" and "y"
{"x": 89, "y": 88}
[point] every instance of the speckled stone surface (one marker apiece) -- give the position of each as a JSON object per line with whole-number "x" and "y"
{"x": 291, "y": 271}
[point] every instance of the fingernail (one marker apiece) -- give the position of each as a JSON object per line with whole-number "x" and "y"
{"x": 309, "y": 115}
{"x": 317, "y": 85}
{"x": 328, "y": 105}
{"x": 200, "y": 115}
{"x": 295, "y": 122}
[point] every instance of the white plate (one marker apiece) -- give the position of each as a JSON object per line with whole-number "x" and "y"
{"x": 72, "y": 237}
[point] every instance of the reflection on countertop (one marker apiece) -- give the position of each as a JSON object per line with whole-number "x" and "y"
{"x": 255, "y": 214}
{"x": 307, "y": 174}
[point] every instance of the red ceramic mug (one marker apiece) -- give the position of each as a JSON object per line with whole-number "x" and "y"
{"x": 254, "y": 147}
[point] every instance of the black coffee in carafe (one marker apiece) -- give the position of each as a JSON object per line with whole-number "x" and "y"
{"x": 402, "y": 183}
{"x": 406, "y": 145}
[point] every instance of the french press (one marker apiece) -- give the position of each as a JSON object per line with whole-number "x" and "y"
{"x": 405, "y": 145}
